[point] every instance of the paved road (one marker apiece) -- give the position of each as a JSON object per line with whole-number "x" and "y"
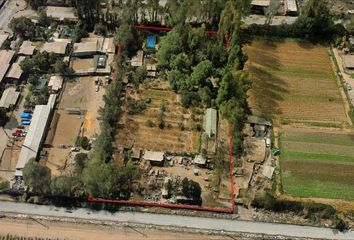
{"x": 178, "y": 221}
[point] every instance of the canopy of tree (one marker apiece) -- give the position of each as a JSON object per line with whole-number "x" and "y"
{"x": 37, "y": 176}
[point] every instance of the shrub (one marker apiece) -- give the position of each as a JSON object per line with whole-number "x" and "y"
{"x": 83, "y": 142}
{"x": 149, "y": 123}
{"x": 4, "y": 185}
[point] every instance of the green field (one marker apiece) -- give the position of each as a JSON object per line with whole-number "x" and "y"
{"x": 317, "y": 164}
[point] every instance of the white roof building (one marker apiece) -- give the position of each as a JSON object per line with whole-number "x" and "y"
{"x": 154, "y": 156}
{"x": 55, "y": 83}
{"x": 36, "y": 133}
{"x": 9, "y": 97}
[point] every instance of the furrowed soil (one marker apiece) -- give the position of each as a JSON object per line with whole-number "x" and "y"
{"x": 317, "y": 163}
{"x": 294, "y": 80}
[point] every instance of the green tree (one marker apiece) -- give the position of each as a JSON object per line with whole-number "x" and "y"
{"x": 37, "y": 176}
{"x": 35, "y": 4}
{"x": 3, "y": 117}
{"x": 205, "y": 96}
{"x": 23, "y": 27}
{"x": 201, "y": 72}
{"x": 139, "y": 75}
{"x": 126, "y": 38}
{"x": 83, "y": 142}
{"x": 170, "y": 45}
{"x": 66, "y": 186}
{"x": 80, "y": 162}
{"x": 315, "y": 20}
{"x": 191, "y": 189}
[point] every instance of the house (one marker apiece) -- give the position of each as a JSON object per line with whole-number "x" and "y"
{"x": 259, "y": 6}
{"x": 155, "y": 158}
{"x": 137, "y": 60}
{"x": 85, "y": 49}
{"x": 6, "y": 59}
{"x": 348, "y": 62}
{"x": 108, "y": 46}
{"x": 58, "y": 47}
{"x": 210, "y": 122}
{"x": 55, "y": 83}
{"x": 9, "y": 97}
{"x": 15, "y": 72}
{"x": 26, "y": 49}
{"x": 291, "y": 7}
{"x": 200, "y": 161}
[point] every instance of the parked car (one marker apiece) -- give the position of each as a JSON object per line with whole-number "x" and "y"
{"x": 27, "y": 110}
{"x": 21, "y": 127}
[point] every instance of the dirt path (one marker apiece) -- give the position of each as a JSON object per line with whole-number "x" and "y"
{"x": 53, "y": 230}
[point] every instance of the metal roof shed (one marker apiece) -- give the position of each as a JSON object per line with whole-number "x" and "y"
{"x": 15, "y": 72}
{"x": 26, "y": 48}
{"x": 55, "y": 47}
{"x": 210, "y": 122}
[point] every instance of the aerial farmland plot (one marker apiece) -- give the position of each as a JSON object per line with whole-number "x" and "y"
{"x": 317, "y": 163}
{"x": 294, "y": 81}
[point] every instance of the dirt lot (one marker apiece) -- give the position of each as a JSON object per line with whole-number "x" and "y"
{"x": 81, "y": 64}
{"x": 317, "y": 163}
{"x": 88, "y": 232}
{"x": 135, "y": 130}
{"x": 65, "y": 127}
{"x": 294, "y": 80}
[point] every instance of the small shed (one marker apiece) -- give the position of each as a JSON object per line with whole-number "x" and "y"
{"x": 291, "y": 7}
{"x": 26, "y": 49}
{"x": 155, "y": 158}
{"x": 199, "y": 160}
{"x": 9, "y": 97}
{"x": 210, "y": 122}
{"x": 259, "y": 6}
{"x": 55, "y": 83}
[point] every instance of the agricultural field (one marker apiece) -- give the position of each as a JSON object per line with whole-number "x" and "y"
{"x": 317, "y": 163}
{"x": 294, "y": 81}
{"x": 142, "y": 129}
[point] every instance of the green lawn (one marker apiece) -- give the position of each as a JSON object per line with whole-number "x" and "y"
{"x": 318, "y": 164}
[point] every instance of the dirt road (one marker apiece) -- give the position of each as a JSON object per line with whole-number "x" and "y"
{"x": 55, "y": 230}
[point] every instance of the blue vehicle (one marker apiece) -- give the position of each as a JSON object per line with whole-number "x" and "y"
{"x": 26, "y": 116}
{"x": 26, "y": 122}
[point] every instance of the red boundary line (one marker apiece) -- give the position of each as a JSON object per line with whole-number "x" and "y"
{"x": 167, "y": 29}
{"x": 176, "y": 206}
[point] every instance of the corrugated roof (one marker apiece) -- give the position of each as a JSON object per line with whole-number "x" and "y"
{"x": 35, "y": 134}
{"x": 154, "y": 156}
{"x": 261, "y": 3}
{"x": 210, "y": 122}
{"x": 15, "y": 71}
{"x": 9, "y": 97}
{"x": 85, "y": 47}
{"x": 290, "y": 5}
{"x": 108, "y": 46}
{"x": 348, "y": 61}
{"x": 26, "y": 48}
{"x": 55, "y": 47}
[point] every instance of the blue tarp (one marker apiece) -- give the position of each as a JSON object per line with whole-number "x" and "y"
{"x": 26, "y": 116}
{"x": 151, "y": 42}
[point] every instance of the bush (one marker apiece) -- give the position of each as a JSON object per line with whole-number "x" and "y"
{"x": 191, "y": 189}
{"x": 83, "y": 142}
{"x": 80, "y": 162}
{"x": 136, "y": 107}
{"x": 149, "y": 123}
{"x": 4, "y": 185}
{"x": 340, "y": 224}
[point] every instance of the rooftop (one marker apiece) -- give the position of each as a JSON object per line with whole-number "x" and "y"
{"x": 108, "y": 46}
{"x": 210, "y": 120}
{"x": 58, "y": 47}
{"x": 199, "y": 159}
{"x": 154, "y": 156}
{"x": 27, "y": 48}
{"x": 348, "y": 61}
{"x": 61, "y": 13}
{"x": 55, "y": 82}
{"x": 15, "y": 71}
{"x": 291, "y": 5}
{"x": 137, "y": 60}
{"x": 35, "y": 133}
{"x": 261, "y": 3}
{"x": 9, "y": 97}
{"x": 86, "y": 47}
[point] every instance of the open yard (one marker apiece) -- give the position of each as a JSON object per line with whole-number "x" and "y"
{"x": 294, "y": 81}
{"x": 317, "y": 163}
{"x": 141, "y": 130}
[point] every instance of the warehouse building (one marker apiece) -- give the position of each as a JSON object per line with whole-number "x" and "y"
{"x": 36, "y": 134}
